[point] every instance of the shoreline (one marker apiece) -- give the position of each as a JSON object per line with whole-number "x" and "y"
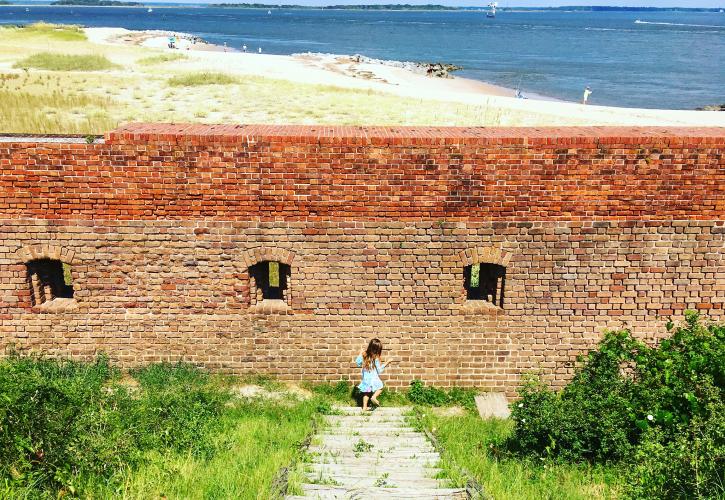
{"x": 344, "y": 72}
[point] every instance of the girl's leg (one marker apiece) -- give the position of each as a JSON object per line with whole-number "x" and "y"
{"x": 374, "y": 399}
{"x": 365, "y": 401}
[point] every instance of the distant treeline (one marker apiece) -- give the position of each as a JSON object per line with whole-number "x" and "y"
{"x": 97, "y": 3}
{"x": 582, "y": 8}
{"x": 331, "y": 7}
{"x": 605, "y": 8}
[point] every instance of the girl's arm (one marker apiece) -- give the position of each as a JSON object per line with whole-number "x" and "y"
{"x": 359, "y": 359}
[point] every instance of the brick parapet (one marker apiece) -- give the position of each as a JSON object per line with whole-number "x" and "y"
{"x": 273, "y": 172}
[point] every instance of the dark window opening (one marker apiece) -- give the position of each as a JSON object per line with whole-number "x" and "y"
{"x": 270, "y": 279}
{"x": 49, "y": 279}
{"x": 485, "y": 282}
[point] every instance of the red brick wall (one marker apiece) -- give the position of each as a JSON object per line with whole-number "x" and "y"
{"x": 597, "y": 228}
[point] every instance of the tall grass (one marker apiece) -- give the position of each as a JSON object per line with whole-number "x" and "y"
{"x": 161, "y": 59}
{"x": 65, "y": 62}
{"x": 54, "y": 113}
{"x": 475, "y": 445}
{"x": 56, "y": 32}
{"x": 201, "y": 78}
{"x": 168, "y": 431}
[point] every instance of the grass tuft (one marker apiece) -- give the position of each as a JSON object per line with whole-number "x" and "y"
{"x": 65, "y": 62}
{"x": 161, "y": 59}
{"x": 203, "y": 78}
{"x": 57, "y": 32}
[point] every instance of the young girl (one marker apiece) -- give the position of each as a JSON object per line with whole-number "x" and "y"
{"x": 371, "y": 385}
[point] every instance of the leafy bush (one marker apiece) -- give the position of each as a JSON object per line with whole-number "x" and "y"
{"x": 65, "y": 62}
{"x": 203, "y": 78}
{"x": 658, "y": 404}
{"x": 64, "y": 423}
{"x": 433, "y": 396}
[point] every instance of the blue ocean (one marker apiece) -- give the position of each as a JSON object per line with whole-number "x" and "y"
{"x": 635, "y": 59}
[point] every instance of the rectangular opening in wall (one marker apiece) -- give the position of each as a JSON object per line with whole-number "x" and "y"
{"x": 48, "y": 280}
{"x": 485, "y": 282}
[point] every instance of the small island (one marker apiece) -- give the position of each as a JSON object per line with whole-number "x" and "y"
{"x": 97, "y": 3}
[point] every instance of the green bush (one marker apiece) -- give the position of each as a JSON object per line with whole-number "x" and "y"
{"x": 421, "y": 394}
{"x": 659, "y": 404}
{"x": 64, "y": 424}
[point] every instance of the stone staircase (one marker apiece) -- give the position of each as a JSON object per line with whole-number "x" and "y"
{"x": 360, "y": 455}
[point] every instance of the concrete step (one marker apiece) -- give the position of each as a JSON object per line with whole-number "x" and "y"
{"x": 381, "y": 480}
{"x": 402, "y": 471}
{"x": 330, "y": 492}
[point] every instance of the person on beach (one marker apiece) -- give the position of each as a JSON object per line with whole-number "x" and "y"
{"x": 244, "y": 48}
{"x": 587, "y": 93}
{"x": 369, "y": 360}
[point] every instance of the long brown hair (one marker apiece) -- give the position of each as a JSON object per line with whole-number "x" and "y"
{"x": 375, "y": 348}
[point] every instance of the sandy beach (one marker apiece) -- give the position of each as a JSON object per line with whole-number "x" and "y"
{"x": 346, "y": 72}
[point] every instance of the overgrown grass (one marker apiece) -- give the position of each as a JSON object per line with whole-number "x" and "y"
{"x": 54, "y": 112}
{"x": 80, "y": 429}
{"x": 161, "y": 59}
{"x": 65, "y": 62}
{"x": 56, "y": 32}
{"x": 201, "y": 78}
{"x": 475, "y": 445}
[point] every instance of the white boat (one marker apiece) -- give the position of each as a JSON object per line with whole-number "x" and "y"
{"x": 150, "y": 10}
{"x": 492, "y": 12}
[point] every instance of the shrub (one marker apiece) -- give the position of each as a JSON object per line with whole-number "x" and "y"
{"x": 690, "y": 465}
{"x": 661, "y": 405}
{"x": 204, "y": 78}
{"x": 433, "y": 396}
{"x": 65, "y": 62}
{"x": 64, "y": 424}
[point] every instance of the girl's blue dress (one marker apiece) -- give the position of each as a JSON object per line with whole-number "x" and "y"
{"x": 370, "y": 378}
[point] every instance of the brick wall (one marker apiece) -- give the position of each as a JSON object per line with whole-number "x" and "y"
{"x": 597, "y": 228}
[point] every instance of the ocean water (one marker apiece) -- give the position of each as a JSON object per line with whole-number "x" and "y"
{"x": 651, "y": 60}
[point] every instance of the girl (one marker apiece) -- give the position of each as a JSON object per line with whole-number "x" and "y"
{"x": 371, "y": 385}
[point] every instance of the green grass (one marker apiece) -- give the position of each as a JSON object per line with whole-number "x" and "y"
{"x": 54, "y": 111}
{"x": 72, "y": 429}
{"x": 65, "y": 62}
{"x": 474, "y": 444}
{"x": 161, "y": 59}
{"x": 55, "y": 32}
{"x": 254, "y": 440}
{"x": 202, "y": 78}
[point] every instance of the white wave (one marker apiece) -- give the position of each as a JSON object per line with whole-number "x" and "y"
{"x": 680, "y": 24}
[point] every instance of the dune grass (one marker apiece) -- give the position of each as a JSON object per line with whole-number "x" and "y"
{"x": 474, "y": 444}
{"x": 65, "y": 62}
{"x": 46, "y": 113}
{"x": 201, "y": 78}
{"x": 161, "y": 59}
{"x": 56, "y": 32}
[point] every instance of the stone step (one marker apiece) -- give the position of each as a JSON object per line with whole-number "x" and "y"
{"x": 347, "y": 451}
{"x": 380, "y": 442}
{"x": 400, "y": 470}
{"x": 373, "y": 461}
{"x": 372, "y": 432}
{"x": 381, "y": 480}
{"x": 334, "y": 492}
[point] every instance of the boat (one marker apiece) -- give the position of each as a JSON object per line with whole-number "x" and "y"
{"x": 492, "y": 12}
{"x": 150, "y": 10}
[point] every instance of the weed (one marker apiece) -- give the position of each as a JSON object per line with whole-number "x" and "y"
{"x": 361, "y": 447}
